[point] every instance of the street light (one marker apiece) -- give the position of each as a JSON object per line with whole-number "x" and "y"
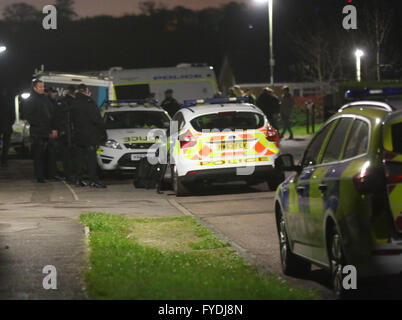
{"x": 271, "y": 39}
{"x": 358, "y": 53}
{"x": 2, "y": 49}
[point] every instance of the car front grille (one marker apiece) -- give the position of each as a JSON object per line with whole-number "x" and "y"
{"x": 125, "y": 161}
{"x": 138, "y": 146}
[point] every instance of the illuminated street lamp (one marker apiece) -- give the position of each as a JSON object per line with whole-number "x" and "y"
{"x": 271, "y": 39}
{"x": 3, "y": 49}
{"x": 358, "y": 53}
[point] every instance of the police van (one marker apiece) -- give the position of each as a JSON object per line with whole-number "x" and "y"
{"x": 188, "y": 81}
{"x": 101, "y": 89}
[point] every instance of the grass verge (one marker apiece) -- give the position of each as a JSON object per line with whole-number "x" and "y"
{"x": 171, "y": 258}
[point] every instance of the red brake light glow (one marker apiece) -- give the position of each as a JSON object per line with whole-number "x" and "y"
{"x": 187, "y": 140}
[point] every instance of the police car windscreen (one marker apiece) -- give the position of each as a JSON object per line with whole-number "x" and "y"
{"x": 136, "y": 120}
{"x": 228, "y": 120}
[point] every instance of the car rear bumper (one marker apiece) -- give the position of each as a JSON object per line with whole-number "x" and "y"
{"x": 256, "y": 173}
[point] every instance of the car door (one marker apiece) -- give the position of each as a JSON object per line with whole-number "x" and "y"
{"x": 324, "y": 186}
{"x": 299, "y": 202}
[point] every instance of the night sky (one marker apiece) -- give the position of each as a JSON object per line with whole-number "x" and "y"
{"x": 121, "y": 7}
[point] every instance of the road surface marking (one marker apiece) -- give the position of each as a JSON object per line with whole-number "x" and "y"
{"x": 72, "y": 191}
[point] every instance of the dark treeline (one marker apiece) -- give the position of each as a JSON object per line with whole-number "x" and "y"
{"x": 310, "y": 43}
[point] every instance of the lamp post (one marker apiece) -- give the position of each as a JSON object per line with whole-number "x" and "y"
{"x": 3, "y": 49}
{"x": 358, "y": 53}
{"x": 271, "y": 37}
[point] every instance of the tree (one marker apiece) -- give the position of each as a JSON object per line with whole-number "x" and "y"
{"x": 21, "y": 12}
{"x": 65, "y": 9}
{"x": 377, "y": 26}
{"x": 320, "y": 54}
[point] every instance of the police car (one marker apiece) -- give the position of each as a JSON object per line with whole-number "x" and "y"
{"x": 134, "y": 129}
{"x": 343, "y": 206}
{"x": 222, "y": 140}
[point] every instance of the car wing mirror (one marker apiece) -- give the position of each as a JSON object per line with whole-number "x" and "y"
{"x": 285, "y": 162}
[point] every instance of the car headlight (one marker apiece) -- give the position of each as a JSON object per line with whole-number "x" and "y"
{"x": 113, "y": 144}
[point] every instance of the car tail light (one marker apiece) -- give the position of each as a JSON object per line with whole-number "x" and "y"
{"x": 398, "y": 223}
{"x": 191, "y": 173}
{"x": 272, "y": 134}
{"x": 392, "y": 252}
{"x": 187, "y": 140}
{"x": 370, "y": 179}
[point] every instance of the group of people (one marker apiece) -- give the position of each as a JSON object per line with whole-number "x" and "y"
{"x": 169, "y": 104}
{"x": 272, "y": 106}
{"x": 72, "y": 127}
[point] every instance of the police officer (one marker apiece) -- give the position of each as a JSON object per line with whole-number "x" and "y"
{"x": 269, "y": 103}
{"x": 89, "y": 132}
{"x": 7, "y": 119}
{"x": 37, "y": 111}
{"x": 63, "y": 121}
{"x": 51, "y": 151}
{"x": 170, "y": 104}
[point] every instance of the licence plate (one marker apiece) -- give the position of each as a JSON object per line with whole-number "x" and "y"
{"x": 232, "y": 146}
{"x": 137, "y": 157}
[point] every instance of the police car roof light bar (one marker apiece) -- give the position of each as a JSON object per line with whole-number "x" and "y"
{"x": 133, "y": 101}
{"x": 192, "y": 103}
{"x": 373, "y": 92}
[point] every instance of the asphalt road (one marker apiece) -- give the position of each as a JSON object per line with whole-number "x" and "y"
{"x": 39, "y": 226}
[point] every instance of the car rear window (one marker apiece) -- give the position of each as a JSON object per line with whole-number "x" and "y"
{"x": 335, "y": 144}
{"x": 229, "y": 120}
{"x": 136, "y": 120}
{"x": 358, "y": 140}
{"x": 397, "y": 137}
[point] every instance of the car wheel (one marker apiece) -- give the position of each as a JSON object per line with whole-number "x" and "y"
{"x": 178, "y": 187}
{"x": 337, "y": 262}
{"x": 275, "y": 179}
{"x": 292, "y": 265}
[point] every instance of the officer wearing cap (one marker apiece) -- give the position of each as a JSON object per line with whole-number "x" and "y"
{"x": 89, "y": 132}
{"x": 170, "y": 104}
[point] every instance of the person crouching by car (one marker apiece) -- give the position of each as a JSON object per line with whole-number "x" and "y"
{"x": 89, "y": 132}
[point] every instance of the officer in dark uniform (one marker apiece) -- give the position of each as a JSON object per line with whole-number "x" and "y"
{"x": 51, "y": 152}
{"x": 89, "y": 132}
{"x": 7, "y": 119}
{"x": 269, "y": 103}
{"x": 37, "y": 111}
{"x": 170, "y": 104}
{"x": 63, "y": 123}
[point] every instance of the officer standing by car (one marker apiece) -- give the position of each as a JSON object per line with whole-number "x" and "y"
{"x": 51, "y": 157}
{"x": 37, "y": 111}
{"x": 7, "y": 119}
{"x": 64, "y": 126}
{"x": 89, "y": 133}
{"x": 269, "y": 103}
{"x": 170, "y": 104}
{"x": 287, "y": 103}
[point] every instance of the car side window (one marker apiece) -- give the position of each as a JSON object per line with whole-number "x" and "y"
{"x": 312, "y": 152}
{"x": 335, "y": 143}
{"x": 358, "y": 140}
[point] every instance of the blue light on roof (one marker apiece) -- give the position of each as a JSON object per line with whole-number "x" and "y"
{"x": 373, "y": 92}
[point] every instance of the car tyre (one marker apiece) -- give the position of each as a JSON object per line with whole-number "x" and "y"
{"x": 179, "y": 188}
{"x": 337, "y": 262}
{"x": 292, "y": 265}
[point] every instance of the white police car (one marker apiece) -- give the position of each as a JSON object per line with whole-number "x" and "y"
{"x": 222, "y": 140}
{"x": 132, "y": 130}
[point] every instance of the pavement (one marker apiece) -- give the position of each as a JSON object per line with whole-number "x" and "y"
{"x": 39, "y": 226}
